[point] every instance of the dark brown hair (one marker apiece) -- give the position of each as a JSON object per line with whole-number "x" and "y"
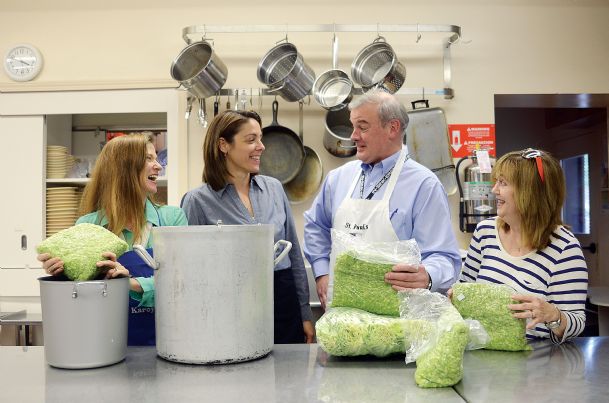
{"x": 224, "y": 126}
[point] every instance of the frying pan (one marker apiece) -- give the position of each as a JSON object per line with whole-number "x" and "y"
{"x": 307, "y": 182}
{"x": 284, "y": 153}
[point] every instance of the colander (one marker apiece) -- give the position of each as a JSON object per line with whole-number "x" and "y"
{"x": 376, "y": 66}
{"x": 284, "y": 71}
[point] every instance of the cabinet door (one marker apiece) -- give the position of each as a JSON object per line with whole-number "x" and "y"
{"x": 22, "y": 168}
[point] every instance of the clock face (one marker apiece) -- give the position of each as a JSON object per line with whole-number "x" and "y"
{"x": 23, "y": 62}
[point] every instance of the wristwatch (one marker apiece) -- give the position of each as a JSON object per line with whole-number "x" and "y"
{"x": 430, "y": 283}
{"x": 555, "y": 324}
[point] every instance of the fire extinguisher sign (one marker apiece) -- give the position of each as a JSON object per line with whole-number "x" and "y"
{"x": 467, "y": 138}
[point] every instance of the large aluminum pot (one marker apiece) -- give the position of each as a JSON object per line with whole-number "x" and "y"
{"x": 285, "y": 72}
{"x": 214, "y": 292}
{"x": 84, "y": 323}
{"x": 337, "y": 137}
{"x": 199, "y": 69}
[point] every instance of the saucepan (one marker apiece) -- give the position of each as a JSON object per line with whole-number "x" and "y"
{"x": 333, "y": 89}
{"x": 337, "y": 136}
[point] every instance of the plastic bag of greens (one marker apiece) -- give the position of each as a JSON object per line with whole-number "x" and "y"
{"x": 439, "y": 352}
{"x": 487, "y": 303}
{"x": 80, "y": 247}
{"x": 351, "y": 332}
{"x": 357, "y": 272}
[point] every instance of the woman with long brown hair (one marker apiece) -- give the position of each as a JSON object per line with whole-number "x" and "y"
{"x": 120, "y": 197}
{"x": 234, "y": 193}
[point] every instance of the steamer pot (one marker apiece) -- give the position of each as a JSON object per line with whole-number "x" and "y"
{"x": 199, "y": 69}
{"x": 214, "y": 292}
{"x": 84, "y": 323}
{"x": 284, "y": 71}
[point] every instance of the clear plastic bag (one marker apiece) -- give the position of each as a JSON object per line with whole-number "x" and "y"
{"x": 439, "y": 350}
{"x": 487, "y": 303}
{"x": 358, "y": 268}
{"x": 351, "y": 332}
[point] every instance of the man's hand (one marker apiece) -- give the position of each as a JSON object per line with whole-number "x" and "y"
{"x": 309, "y": 331}
{"x": 322, "y": 289}
{"x": 407, "y": 276}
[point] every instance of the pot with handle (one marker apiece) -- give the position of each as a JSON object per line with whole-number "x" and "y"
{"x": 284, "y": 71}
{"x": 84, "y": 323}
{"x": 337, "y": 136}
{"x": 284, "y": 153}
{"x": 199, "y": 69}
{"x": 333, "y": 89}
{"x": 214, "y": 291}
{"x": 307, "y": 182}
{"x": 377, "y": 66}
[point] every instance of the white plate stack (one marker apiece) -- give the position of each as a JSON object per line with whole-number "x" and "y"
{"x": 62, "y": 208}
{"x": 56, "y": 162}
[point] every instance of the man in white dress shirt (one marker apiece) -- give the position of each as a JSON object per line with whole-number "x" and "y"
{"x": 384, "y": 196}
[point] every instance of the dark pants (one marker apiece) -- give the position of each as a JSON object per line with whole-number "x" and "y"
{"x": 288, "y": 322}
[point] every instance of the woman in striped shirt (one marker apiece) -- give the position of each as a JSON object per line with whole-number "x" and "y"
{"x": 528, "y": 248}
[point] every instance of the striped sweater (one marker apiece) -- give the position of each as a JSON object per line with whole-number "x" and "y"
{"x": 557, "y": 273}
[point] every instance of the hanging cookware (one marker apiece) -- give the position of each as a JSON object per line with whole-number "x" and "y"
{"x": 377, "y": 66}
{"x": 216, "y": 105}
{"x": 429, "y": 144}
{"x": 333, "y": 88}
{"x": 337, "y": 136}
{"x": 84, "y": 323}
{"x": 284, "y": 153}
{"x": 284, "y": 71}
{"x": 202, "y": 113}
{"x": 199, "y": 69}
{"x": 308, "y": 180}
{"x": 214, "y": 291}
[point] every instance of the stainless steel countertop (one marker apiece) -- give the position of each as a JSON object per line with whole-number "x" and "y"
{"x": 575, "y": 371}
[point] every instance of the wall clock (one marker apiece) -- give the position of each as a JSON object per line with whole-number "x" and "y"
{"x": 23, "y": 62}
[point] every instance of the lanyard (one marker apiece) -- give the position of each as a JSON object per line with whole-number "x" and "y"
{"x": 379, "y": 183}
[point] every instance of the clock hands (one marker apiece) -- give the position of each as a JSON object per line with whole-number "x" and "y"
{"x": 20, "y": 61}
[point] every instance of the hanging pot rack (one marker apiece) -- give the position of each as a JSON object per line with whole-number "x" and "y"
{"x": 197, "y": 32}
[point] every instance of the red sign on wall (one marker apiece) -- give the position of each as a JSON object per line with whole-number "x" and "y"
{"x": 467, "y": 138}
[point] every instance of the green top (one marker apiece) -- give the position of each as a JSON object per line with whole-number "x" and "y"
{"x": 166, "y": 216}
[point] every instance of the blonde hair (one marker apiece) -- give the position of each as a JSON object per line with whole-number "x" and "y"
{"x": 115, "y": 189}
{"x": 538, "y": 202}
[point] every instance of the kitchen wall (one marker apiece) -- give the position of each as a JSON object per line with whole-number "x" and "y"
{"x": 508, "y": 46}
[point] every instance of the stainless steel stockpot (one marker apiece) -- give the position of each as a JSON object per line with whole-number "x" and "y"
{"x": 377, "y": 66}
{"x": 284, "y": 71}
{"x": 84, "y": 323}
{"x": 337, "y": 136}
{"x": 199, "y": 69}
